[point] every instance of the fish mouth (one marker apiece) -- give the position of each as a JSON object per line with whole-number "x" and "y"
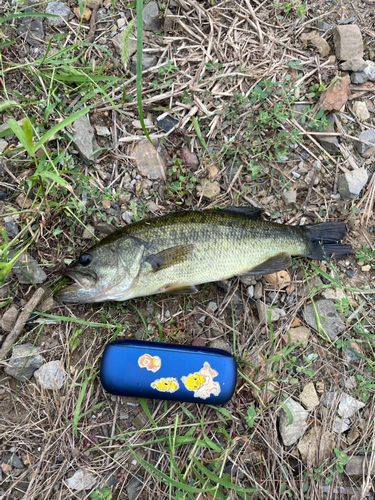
{"x": 82, "y": 289}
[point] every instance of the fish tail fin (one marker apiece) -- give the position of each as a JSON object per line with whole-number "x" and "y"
{"x": 324, "y": 240}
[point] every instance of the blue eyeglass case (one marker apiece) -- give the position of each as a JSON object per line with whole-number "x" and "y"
{"x": 167, "y": 371}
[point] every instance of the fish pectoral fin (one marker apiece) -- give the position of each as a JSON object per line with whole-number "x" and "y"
{"x": 274, "y": 264}
{"x": 169, "y": 257}
{"x": 178, "y": 289}
{"x": 250, "y": 212}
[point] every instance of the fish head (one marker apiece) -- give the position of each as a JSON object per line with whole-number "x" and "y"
{"x": 107, "y": 271}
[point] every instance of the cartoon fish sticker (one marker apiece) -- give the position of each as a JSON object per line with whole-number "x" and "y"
{"x": 169, "y": 384}
{"x": 202, "y": 382}
{"x": 151, "y": 363}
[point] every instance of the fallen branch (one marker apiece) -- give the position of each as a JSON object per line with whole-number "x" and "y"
{"x": 20, "y": 323}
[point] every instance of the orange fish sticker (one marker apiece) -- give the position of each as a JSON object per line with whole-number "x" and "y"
{"x": 202, "y": 382}
{"x": 151, "y": 363}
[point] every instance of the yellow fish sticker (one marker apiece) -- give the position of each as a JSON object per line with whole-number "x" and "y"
{"x": 151, "y": 363}
{"x": 202, "y": 382}
{"x": 169, "y": 384}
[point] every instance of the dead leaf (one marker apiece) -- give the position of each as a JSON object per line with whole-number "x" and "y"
{"x": 336, "y": 95}
{"x": 295, "y": 322}
{"x": 278, "y": 280}
{"x": 6, "y": 468}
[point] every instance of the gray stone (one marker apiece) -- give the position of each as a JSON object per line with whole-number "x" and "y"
{"x": 24, "y": 361}
{"x": 351, "y": 183}
{"x": 88, "y": 232}
{"x": 220, "y": 344}
{"x": 27, "y": 269}
{"x": 4, "y": 291}
{"x": 359, "y": 466}
{"x": 3, "y": 145}
{"x": 148, "y": 61}
{"x": 33, "y": 28}
{"x": 329, "y": 142}
{"x": 81, "y": 480}
{"x": 140, "y": 421}
{"x": 354, "y": 64}
{"x": 291, "y": 433}
{"x": 340, "y": 425}
{"x": 349, "y": 406}
{"x": 166, "y": 123}
{"x": 351, "y": 355}
{"x": 11, "y": 227}
{"x": 84, "y": 140}
{"x": 109, "y": 480}
{"x": 59, "y": 9}
{"x": 323, "y": 26}
{"x": 50, "y": 375}
{"x": 9, "y": 318}
{"x": 118, "y": 42}
{"x": 248, "y": 279}
{"x": 133, "y": 488}
{"x": 14, "y": 460}
{"x": 370, "y": 70}
{"x": 289, "y": 197}
{"x": 102, "y": 131}
{"x": 168, "y": 21}
{"x": 262, "y": 309}
{"x": 348, "y": 42}
{"x": 348, "y": 20}
{"x": 250, "y": 291}
{"x": 368, "y": 136}
{"x": 258, "y": 291}
{"x": 331, "y": 321}
{"x": 149, "y": 160}
{"x": 151, "y": 20}
{"x": 358, "y": 77}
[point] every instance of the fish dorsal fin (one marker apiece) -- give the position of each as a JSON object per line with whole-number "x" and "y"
{"x": 169, "y": 257}
{"x": 274, "y": 264}
{"x": 177, "y": 289}
{"x": 251, "y": 212}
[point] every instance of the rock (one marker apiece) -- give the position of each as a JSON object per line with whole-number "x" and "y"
{"x": 329, "y": 142}
{"x": 9, "y": 318}
{"x": 250, "y": 291}
{"x": 11, "y": 227}
{"x": 151, "y": 19}
{"x": 85, "y": 17}
{"x": 102, "y": 131}
{"x": 351, "y": 383}
{"x": 133, "y": 488}
{"x": 33, "y": 28}
{"x": 59, "y": 9}
{"x": 27, "y": 269}
{"x": 370, "y": 70}
{"x": 13, "y": 460}
{"x": 91, "y": 4}
{"x": 24, "y": 361}
{"x": 137, "y": 124}
{"x": 50, "y": 375}
{"x": 189, "y": 158}
{"x": 323, "y": 26}
{"x": 354, "y": 64}
{"x": 140, "y": 421}
{"x": 88, "y": 232}
{"x": 348, "y": 406}
{"x": 290, "y": 433}
{"x": 316, "y": 447}
{"x": 262, "y": 308}
{"x": 336, "y": 95}
{"x": 368, "y": 136}
{"x": 148, "y": 61}
{"x": 166, "y": 123}
{"x": 168, "y": 21}
{"x": 3, "y": 195}
{"x": 212, "y": 307}
{"x": 47, "y": 304}
{"x": 3, "y": 145}
{"x": 317, "y": 41}
{"x": 358, "y": 77}
{"x": 220, "y": 344}
{"x": 248, "y": 279}
{"x": 348, "y": 42}
{"x": 333, "y": 293}
{"x": 81, "y": 480}
{"x": 299, "y": 334}
{"x": 118, "y": 42}
{"x": 4, "y": 291}
{"x": 149, "y": 160}
{"x": 340, "y": 425}
{"x": 258, "y": 290}
{"x": 209, "y": 190}
{"x": 289, "y": 197}
{"x": 84, "y": 139}
{"x": 127, "y": 216}
{"x": 109, "y": 481}
{"x": 351, "y": 183}
{"x": 359, "y": 466}
{"x": 361, "y": 111}
{"x": 309, "y": 397}
{"x": 331, "y": 321}
{"x": 23, "y": 202}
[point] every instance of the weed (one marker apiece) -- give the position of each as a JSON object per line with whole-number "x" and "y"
{"x": 164, "y": 76}
{"x": 366, "y": 256}
{"x": 343, "y": 306}
{"x": 293, "y": 6}
{"x": 102, "y": 494}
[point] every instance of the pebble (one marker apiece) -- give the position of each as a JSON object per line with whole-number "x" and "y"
{"x": 351, "y": 183}
{"x": 370, "y": 70}
{"x": 3, "y": 195}
{"x": 140, "y": 421}
{"x": 340, "y": 425}
{"x": 9, "y": 318}
{"x": 4, "y": 291}
{"x": 127, "y": 216}
{"x": 24, "y": 361}
{"x": 166, "y": 122}
{"x": 366, "y": 268}
{"x": 290, "y": 433}
{"x": 148, "y": 61}
{"x": 349, "y": 406}
{"x": 258, "y": 291}
{"x": 354, "y": 64}
{"x": 323, "y": 26}
{"x": 316, "y": 446}
{"x": 212, "y": 307}
{"x": 51, "y": 375}
{"x": 309, "y": 397}
{"x": 27, "y": 269}
{"x": 348, "y": 42}
{"x": 151, "y": 19}
{"x": 133, "y": 488}
{"x": 11, "y": 227}
{"x": 368, "y": 136}
{"x": 137, "y": 124}
{"x": 361, "y": 111}
{"x": 220, "y": 343}
{"x": 299, "y": 334}
{"x": 329, "y": 143}
{"x": 102, "y": 131}
{"x": 276, "y": 313}
{"x": 359, "y": 466}
{"x": 32, "y": 27}
{"x": 358, "y": 77}
{"x": 81, "y": 480}
{"x": 149, "y": 161}
{"x": 60, "y": 9}
{"x": 289, "y": 197}
{"x": 189, "y": 158}
{"x": 248, "y": 279}
{"x": 209, "y": 190}
{"x": 88, "y": 232}
{"x": 333, "y": 293}
{"x": 84, "y": 139}
{"x": 250, "y": 291}
{"x": 331, "y": 321}
{"x": 13, "y": 460}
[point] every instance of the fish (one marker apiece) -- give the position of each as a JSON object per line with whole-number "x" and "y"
{"x": 174, "y": 253}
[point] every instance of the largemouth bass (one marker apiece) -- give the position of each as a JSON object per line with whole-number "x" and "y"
{"x": 176, "y": 252}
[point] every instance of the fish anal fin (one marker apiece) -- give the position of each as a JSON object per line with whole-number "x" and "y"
{"x": 169, "y": 257}
{"x": 250, "y": 212}
{"x": 274, "y": 264}
{"x": 178, "y": 289}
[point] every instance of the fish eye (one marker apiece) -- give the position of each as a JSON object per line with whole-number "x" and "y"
{"x": 85, "y": 259}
